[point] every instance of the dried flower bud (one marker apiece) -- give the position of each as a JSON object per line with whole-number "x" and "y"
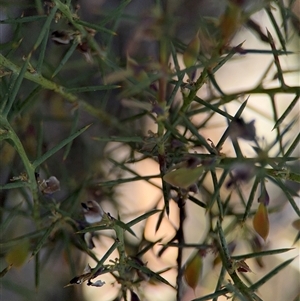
{"x": 176, "y": 144}
{"x": 192, "y": 162}
{"x": 239, "y": 129}
{"x": 98, "y": 283}
{"x": 153, "y": 86}
{"x": 61, "y": 37}
{"x": 84, "y": 48}
{"x": 49, "y": 186}
{"x": 264, "y": 196}
{"x": 91, "y": 31}
{"x": 240, "y": 173}
{"x": 158, "y": 110}
{"x": 241, "y": 266}
{"x": 93, "y": 212}
{"x": 87, "y": 275}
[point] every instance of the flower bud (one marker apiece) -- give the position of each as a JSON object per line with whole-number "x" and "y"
{"x": 264, "y": 196}
{"x": 241, "y": 172}
{"x": 241, "y": 266}
{"x": 93, "y": 212}
{"x": 230, "y": 21}
{"x": 49, "y": 186}
{"x": 98, "y": 283}
{"x": 261, "y": 221}
{"x": 62, "y": 37}
{"x": 239, "y": 129}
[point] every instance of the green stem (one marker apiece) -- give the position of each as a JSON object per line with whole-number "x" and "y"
{"x": 30, "y": 170}
{"x": 72, "y": 98}
{"x": 284, "y": 174}
{"x": 39, "y": 79}
{"x": 121, "y": 249}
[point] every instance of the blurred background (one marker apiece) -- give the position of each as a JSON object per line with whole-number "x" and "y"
{"x": 46, "y": 116}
